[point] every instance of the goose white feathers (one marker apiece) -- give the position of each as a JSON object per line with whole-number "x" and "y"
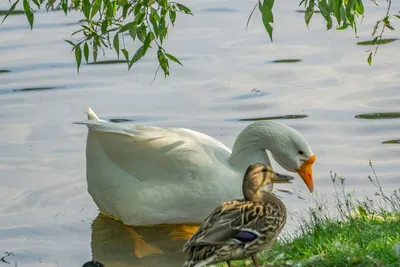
{"x": 147, "y": 175}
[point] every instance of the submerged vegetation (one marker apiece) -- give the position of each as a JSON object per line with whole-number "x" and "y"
{"x": 362, "y": 232}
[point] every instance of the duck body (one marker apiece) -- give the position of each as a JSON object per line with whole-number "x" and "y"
{"x": 251, "y": 227}
{"x": 146, "y": 175}
{"x": 238, "y": 229}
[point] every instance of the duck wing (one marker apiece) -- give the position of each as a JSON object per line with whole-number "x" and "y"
{"x": 233, "y": 222}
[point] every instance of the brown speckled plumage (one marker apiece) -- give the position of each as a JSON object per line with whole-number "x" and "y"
{"x": 239, "y": 229}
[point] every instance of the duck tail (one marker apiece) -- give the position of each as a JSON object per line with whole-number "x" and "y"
{"x": 91, "y": 115}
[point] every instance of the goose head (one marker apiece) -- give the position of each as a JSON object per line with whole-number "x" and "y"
{"x": 294, "y": 154}
{"x": 287, "y": 146}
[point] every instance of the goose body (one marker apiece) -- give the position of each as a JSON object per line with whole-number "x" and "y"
{"x": 146, "y": 175}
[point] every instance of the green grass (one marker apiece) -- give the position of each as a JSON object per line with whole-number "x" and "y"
{"x": 359, "y": 241}
{"x": 365, "y": 232}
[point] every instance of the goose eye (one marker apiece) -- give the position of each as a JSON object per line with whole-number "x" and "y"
{"x": 301, "y": 152}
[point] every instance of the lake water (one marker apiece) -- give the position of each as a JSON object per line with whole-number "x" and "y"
{"x": 47, "y": 218}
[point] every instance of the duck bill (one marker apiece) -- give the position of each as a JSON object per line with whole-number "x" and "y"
{"x": 280, "y": 178}
{"x": 305, "y": 172}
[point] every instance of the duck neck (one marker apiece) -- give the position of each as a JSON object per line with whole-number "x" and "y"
{"x": 264, "y": 197}
{"x": 251, "y": 144}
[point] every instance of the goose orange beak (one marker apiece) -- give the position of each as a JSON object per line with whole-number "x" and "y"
{"x": 305, "y": 172}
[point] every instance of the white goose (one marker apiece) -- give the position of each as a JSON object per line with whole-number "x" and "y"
{"x": 145, "y": 175}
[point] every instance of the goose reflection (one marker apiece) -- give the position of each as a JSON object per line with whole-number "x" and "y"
{"x": 112, "y": 245}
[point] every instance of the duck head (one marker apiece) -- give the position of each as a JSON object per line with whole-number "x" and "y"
{"x": 258, "y": 176}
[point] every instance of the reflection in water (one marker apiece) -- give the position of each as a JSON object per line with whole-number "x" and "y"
{"x": 107, "y": 62}
{"x": 119, "y": 120}
{"x": 380, "y": 42}
{"x": 391, "y": 142}
{"x": 14, "y": 12}
{"x": 286, "y": 117}
{"x": 293, "y": 60}
{"x": 377, "y": 116}
{"x": 112, "y": 245}
{"x": 34, "y": 89}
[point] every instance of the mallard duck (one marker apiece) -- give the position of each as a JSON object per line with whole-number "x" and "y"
{"x": 144, "y": 175}
{"x": 239, "y": 229}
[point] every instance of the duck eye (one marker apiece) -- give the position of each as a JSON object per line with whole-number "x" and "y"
{"x": 264, "y": 170}
{"x": 301, "y": 152}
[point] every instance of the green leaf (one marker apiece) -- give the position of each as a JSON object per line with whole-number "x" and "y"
{"x": 36, "y": 2}
{"x": 86, "y": 8}
{"x": 141, "y": 32}
{"x": 86, "y": 52}
{"x": 50, "y": 4}
{"x": 309, "y": 12}
{"x": 369, "y": 60}
{"x": 78, "y": 57}
{"x": 154, "y": 12}
{"x": 389, "y": 26}
{"x": 171, "y": 57}
{"x": 153, "y": 20}
{"x": 163, "y": 3}
{"x": 71, "y": 43}
{"x": 302, "y": 1}
{"x": 111, "y": 9}
{"x": 267, "y": 16}
{"x": 163, "y": 61}
{"x": 64, "y": 5}
{"x": 270, "y": 3}
{"x": 95, "y": 8}
{"x": 28, "y": 12}
{"x": 95, "y": 49}
{"x": 128, "y": 26}
{"x": 78, "y": 31}
{"x": 162, "y": 29}
{"x": 172, "y": 16}
{"x": 147, "y": 42}
{"x": 397, "y": 16}
{"x": 324, "y": 8}
{"x": 350, "y": 10}
{"x": 336, "y": 5}
{"x": 138, "y": 55}
{"x": 126, "y": 55}
{"x": 116, "y": 44}
{"x": 140, "y": 17}
{"x": 344, "y": 20}
{"x": 137, "y": 10}
{"x": 183, "y": 9}
{"x": 10, "y": 10}
{"x": 104, "y": 26}
{"x": 132, "y": 32}
{"x": 125, "y": 10}
{"x": 359, "y": 7}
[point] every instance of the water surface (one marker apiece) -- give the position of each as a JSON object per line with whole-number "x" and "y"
{"x": 47, "y": 218}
